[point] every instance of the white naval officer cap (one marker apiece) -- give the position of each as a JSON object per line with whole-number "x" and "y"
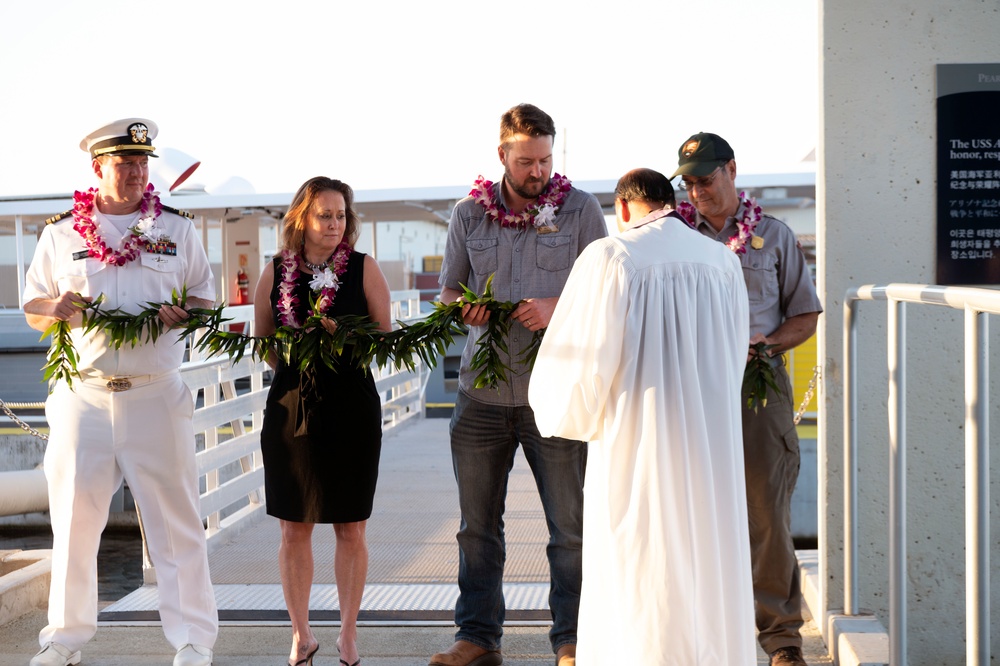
{"x": 128, "y": 136}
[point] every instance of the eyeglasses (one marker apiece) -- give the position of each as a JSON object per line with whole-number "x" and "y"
{"x": 687, "y": 184}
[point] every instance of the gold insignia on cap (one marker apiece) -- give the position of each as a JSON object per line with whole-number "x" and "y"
{"x": 138, "y": 132}
{"x": 689, "y": 148}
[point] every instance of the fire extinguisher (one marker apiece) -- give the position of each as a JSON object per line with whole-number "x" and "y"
{"x": 243, "y": 287}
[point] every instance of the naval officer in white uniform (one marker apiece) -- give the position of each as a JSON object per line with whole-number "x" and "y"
{"x": 129, "y": 414}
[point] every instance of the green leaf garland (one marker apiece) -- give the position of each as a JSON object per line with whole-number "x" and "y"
{"x": 356, "y": 336}
{"x": 759, "y": 377}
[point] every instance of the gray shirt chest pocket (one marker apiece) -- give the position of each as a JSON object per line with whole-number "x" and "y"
{"x": 482, "y": 255}
{"x": 760, "y": 270}
{"x": 553, "y": 253}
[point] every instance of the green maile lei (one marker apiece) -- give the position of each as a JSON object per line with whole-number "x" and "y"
{"x": 759, "y": 376}
{"x": 487, "y": 362}
{"x": 356, "y": 337}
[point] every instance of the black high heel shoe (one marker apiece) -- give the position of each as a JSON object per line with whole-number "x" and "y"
{"x": 344, "y": 661}
{"x": 308, "y": 661}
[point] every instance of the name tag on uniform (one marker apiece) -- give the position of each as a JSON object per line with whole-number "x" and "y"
{"x": 162, "y": 247}
{"x": 82, "y": 254}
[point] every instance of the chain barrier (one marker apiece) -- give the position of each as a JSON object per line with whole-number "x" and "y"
{"x": 24, "y": 426}
{"x": 807, "y": 398}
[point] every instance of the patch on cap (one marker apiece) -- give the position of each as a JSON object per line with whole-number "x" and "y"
{"x": 689, "y": 148}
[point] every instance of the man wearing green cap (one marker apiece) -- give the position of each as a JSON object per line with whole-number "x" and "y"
{"x": 784, "y": 309}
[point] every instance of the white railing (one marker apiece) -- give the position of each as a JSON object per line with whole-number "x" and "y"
{"x": 976, "y": 303}
{"x": 402, "y": 391}
{"x": 230, "y": 462}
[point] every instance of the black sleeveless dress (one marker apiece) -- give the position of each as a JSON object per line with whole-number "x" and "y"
{"x": 321, "y": 445}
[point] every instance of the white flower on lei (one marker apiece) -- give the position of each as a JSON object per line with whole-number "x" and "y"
{"x": 145, "y": 228}
{"x": 545, "y": 217}
{"x": 324, "y": 280}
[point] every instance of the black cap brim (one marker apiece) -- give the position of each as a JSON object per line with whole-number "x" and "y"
{"x": 131, "y": 152}
{"x": 698, "y": 169}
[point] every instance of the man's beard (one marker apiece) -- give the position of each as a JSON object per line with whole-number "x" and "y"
{"x": 529, "y": 189}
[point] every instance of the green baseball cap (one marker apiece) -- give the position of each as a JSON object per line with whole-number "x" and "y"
{"x": 702, "y": 154}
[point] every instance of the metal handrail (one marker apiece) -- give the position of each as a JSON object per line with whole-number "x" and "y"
{"x": 977, "y": 303}
{"x": 402, "y": 393}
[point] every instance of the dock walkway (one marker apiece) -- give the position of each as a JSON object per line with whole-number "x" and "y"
{"x": 409, "y": 599}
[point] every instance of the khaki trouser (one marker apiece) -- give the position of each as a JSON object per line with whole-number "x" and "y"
{"x": 771, "y": 452}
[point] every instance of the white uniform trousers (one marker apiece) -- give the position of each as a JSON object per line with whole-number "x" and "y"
{"x": 146, "y": 435}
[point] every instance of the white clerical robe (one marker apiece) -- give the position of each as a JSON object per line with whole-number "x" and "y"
{"x": 644, "y": 359}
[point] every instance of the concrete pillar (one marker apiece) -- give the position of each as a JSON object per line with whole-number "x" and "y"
{"x": 876, "y": 224}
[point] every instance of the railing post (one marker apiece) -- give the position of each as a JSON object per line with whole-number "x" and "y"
{"x": 977, "y": 489}
{"x": 19, "y": 245}
{"x": 210, "y": 395}
{"x": 897, "y": 482}
{"x": 977, "y": 304}
{"x": 850, "y": 457}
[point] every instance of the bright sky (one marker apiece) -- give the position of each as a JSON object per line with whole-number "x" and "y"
{"x": 403, "y": 94}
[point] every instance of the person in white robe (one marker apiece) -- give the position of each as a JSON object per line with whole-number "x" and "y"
{"x": 644, "y": 359}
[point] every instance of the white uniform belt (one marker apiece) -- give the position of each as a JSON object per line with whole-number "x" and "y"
{"x": 118, "y": 383}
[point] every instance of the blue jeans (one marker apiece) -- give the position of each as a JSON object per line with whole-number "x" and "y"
{"x": 484, "y": 439}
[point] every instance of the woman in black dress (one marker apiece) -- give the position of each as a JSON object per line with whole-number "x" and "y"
{"x": 322, "y": 430}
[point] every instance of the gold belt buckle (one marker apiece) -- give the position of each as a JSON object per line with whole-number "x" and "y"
{"x": 118, "y": 384}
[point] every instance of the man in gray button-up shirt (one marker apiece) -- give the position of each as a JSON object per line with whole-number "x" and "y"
{"x": 526, "y": 231}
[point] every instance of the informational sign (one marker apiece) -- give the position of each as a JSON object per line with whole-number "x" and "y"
{"x": 968, "y": 174}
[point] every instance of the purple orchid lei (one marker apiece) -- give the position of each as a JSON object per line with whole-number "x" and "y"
{"x": 83, "y": 216}
{"x": 326, "y": 283}
{"x": 484, "y": 193}
{"x": 745, "y": 226}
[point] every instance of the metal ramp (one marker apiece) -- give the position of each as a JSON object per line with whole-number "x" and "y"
{"x": 409, "y": 603}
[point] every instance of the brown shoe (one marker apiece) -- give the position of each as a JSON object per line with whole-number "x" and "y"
{"x": 566, "y": 655}
{"x": 464, "y": 653}
{"x": 788, "y": 656}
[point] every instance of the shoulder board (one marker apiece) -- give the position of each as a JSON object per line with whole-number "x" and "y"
{"x": 176, "y": 211}
{"x": 61, "y": 216}
{"x": 170, "y": 209}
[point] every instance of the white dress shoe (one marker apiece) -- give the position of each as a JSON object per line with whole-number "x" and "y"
{"x": 54, "y": 654}
{"x": 193, "y": 655}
